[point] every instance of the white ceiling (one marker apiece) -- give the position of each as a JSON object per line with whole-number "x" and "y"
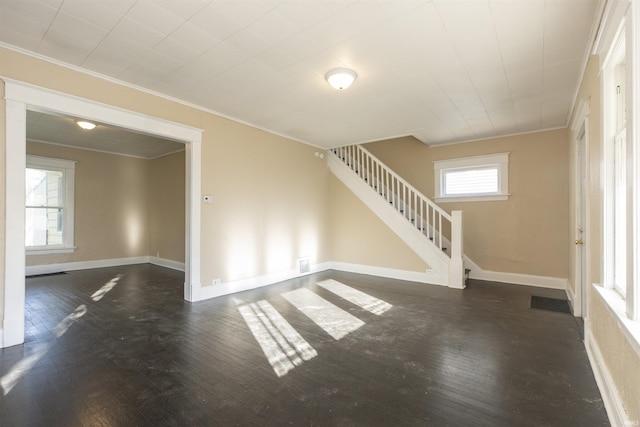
{"x": 63, "y": 130}
{"x": 442, "y": 71}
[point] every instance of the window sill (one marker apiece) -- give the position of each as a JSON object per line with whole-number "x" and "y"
{"x": 617, "y": 307}
{"x": 49, "y": 251}
{"x": 491, "y": 198}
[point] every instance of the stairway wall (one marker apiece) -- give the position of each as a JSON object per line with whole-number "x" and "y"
{"x": 526, "y": 234}
{"x": 358, "y": 236}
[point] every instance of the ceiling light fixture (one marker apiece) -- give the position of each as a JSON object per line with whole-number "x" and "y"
{"x": 341, "y": 78}
{"x": 85, "y": 125}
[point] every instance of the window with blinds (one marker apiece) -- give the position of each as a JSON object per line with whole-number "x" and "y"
{"x": 472, "y": 178}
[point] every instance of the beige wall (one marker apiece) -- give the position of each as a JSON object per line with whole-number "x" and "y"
{"x": 621, "y": 360}
{"x": 270, "y": 204}
{"x": 358, "y": 236}
{"x": 110, "y": 205}
{"x": 270, "y": 194}
{"x": 526, "y": 234}
{"x": 166, "y": 203}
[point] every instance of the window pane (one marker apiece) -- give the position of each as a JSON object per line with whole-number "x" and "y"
{"x": 475, "y": 181}
{"x": 43, "y": 187}
{"x": 42, "y": 227}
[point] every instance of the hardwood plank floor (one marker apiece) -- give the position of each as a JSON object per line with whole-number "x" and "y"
{"x": 138, "y": 355}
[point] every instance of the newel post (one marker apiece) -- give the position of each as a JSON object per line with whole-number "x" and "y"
{"x": 456, "y": 265}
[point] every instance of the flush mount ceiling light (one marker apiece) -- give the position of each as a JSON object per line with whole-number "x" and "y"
{"x": 341, "y": 78}
{"x": 85, "y": 124}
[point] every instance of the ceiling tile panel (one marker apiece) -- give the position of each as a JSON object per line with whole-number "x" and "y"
{"x": 155, "y": 17}
{"x": 444, "y": 70}
{"x": 137, "y": 32}
{"x": 215, "y": 23}
{"x": 184, "y": 8}
{"x": 77, "y": 28}
{"x": 100, "y": 14}
{"x": 195, "y": 37}
{"x": 303, "y": 14}
{"x": 27, "y": 10}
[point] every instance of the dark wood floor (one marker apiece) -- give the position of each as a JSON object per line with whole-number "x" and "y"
{"x": 138, "y": 355}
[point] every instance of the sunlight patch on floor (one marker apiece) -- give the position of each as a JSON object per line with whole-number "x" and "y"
{"x": 334, "y": 320}
{"x": 359, "y": 298}
{"x": 280, "y": 342}
{"x": 24, "y": 365}
{"x": 97, "y": 295}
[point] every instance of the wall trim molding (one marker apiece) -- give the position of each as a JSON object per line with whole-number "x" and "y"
{"x": 167, "y": 263}
{"x": 20, "y": 96}
{"x": 548, "y": 282}
{"x": 227, "y": 288}
{"x": 429, "y": 277}
{"x": 33, "y": 270}
{"x": 610, "y": 397}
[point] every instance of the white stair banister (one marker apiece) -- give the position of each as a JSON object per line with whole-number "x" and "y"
{"x": 418, "y": 210}
{"x": 456, "y": 265}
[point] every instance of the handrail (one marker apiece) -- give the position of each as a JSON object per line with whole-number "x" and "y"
{"x": 405, "y": 198}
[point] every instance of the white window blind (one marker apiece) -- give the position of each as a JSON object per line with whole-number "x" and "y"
{"x": 472, "y": 178}
{"x": 473, "y": 181}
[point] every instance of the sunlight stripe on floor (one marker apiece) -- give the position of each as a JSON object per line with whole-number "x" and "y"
{"x": 282, "y": 345}
{"x": 334, "y": 320}
{"x": 366, "y": 301}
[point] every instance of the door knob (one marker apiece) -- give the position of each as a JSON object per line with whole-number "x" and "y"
{"x": 579, "y": 242}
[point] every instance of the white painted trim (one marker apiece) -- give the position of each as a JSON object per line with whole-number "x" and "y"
{"x": 610, "y": 397}
{"x": 474, "y": 198}
{"x": 572, "y": 300}
{"x": 33, "y": 270}
{"x": 76, "y": 147}
{"x": 486, "y": 138}
{"x": 514, "y": 278}
{"x": 21, "y": 96}
{"x": 168, "y": 263}
{"x": 413, "y": 238}
{"x": 428, "y": 277}
{"x": 14, "y": 252}
{"x": 68, "y": 168}
{"x": 227, "y": 288}
{"x": 612, "y": 19}
{"x": 498, "y": 160}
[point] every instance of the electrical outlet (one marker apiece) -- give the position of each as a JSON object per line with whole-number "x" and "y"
{"x": 216, "y": 281}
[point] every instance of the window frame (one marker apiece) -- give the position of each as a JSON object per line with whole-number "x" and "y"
{"x": 499, "y": 161}
{"x": 67, "y": 167}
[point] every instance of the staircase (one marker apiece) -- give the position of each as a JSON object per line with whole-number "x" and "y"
{"x": 433, "y": 234}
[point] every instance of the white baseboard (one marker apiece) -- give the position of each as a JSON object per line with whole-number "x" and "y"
{"x": 163, "y": 262}
{"x": 610, "y": 398}
{"x": 514, "y": 278}
{"x": 32, "y": 270}
{"x": 391, "y": 273}
{"x": 83, "y": 265}
{"x": 212, "y": 291}
{"x": 571, "y": 297}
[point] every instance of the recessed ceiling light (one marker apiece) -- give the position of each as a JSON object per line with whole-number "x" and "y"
{"x": 341, "y": 78}
{"x": 85, "y": 124}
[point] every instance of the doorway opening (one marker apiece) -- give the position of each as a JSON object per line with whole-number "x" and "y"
{"x": 21, "y": 97}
